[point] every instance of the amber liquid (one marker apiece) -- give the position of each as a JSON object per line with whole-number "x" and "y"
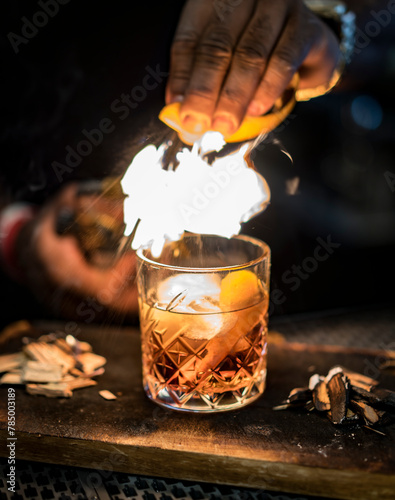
{"x": 204, "y": 362}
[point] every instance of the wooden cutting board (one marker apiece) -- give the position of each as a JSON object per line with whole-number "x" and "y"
{"x": 288, "y": 451}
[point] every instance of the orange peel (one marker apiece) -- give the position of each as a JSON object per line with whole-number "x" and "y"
{"x": 251, "y": 126}
{"x": 239, "y": 289}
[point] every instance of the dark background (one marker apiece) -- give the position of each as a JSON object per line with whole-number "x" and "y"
{"x": 67, "y": 77}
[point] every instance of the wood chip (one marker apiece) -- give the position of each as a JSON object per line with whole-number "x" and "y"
{"x": 10, "y": 362}
{"x": 374, "y": 430}
{"x": 62, "y": 344}
{"x": 80, "y": 383}
{"x": 35, "y": 371}
{"x": 12, "y": 378}
{"x": 51, "y": 390}
{"x": 357, "y": 379}
{"x": 78, "y": 346}
{"x": 359, "y": 394}
{"x": 367, "y": 412}
{"x": 47, "y": 338}
{"x": 107, "y": 395}
{"x": 68, "y": 378}
{"x": 91, "y": 362}
{"x": 285, "y": 406}
{"x": 332, "y": 372}
{"x": 51, "y": 354}
{"x": 310, "y": 406}
{"x": 386, "y": 397}
{"x": 52, "y": 366}
{"x": 351, "y": 416}
{"x": 338, "y": 397}
{"x": 78, "y": 373}
{"x": 299, "y": 395}
{"x": 377, "y": 396}
{"x": 33, "y": 352}
{"x": 321, "y": 397}
{"x": 347, "y": 397}
{"x": 314, "y": 381}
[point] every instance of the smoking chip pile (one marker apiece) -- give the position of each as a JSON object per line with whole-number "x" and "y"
{"x": 52, "y": 366}
{"x": 345, "y": 396}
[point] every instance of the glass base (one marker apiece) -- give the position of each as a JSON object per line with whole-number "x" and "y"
{"x": 197, "y": 402}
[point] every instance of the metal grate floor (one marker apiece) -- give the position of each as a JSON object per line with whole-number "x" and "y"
{"x": 35, "y": 481}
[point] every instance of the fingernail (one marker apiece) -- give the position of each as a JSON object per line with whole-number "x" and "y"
{"x": 194, "y": 125}
{"x": 176, "y": 98}
{"x": 224, "y": 125}
{"x": 255, "y": 109}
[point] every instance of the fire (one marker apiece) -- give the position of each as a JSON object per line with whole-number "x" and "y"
{"x": 196, "y": 197}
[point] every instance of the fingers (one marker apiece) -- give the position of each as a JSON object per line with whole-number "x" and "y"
{"x": 119, "y": 289}
{"x": 66, "y": 268}
{"x": 306, "y": 45}
{"x": 211, "y": 53}
{"x": 114, "y": 287}
{"x": 323, "y": 58}
{"x": 113, "y": 295}
{"x": 64, "y": 198}
{"x": 194, "y": 18}
{"x": 290, "y": 51}
{"x": 249, "y": 61}
{"x": 240, "y": 61}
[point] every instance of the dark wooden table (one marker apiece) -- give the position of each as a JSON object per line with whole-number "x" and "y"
{"x": 288, "y": 451}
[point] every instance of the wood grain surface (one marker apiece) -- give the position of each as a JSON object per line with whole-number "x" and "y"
{"x": 288, "y": 451}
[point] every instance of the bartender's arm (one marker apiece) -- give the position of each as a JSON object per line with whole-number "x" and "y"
{"x": 54, "y": 267}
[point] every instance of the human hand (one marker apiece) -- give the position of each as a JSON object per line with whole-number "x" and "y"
{"x": 232, "y": 58}
{"x": 56, "y": 270}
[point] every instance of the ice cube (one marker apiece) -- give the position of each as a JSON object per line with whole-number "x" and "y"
{"x": 178, "y": 292}
{"x": 195, "y": 297}
{"x": 203, "y": 318}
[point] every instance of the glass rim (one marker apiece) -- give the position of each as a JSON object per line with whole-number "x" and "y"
{"x": 203, "y": 270}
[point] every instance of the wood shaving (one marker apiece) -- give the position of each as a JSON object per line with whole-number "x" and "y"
{"x": 12, "y": 378}
{"x": 54, "y": 366}
{"x": 107, "y": 395}
{"x": 49, "y": 354}
{"x": 37, "y": 371}
{"x": 91, "y": 362}
{"x": 51, "y": 390}
{"x": 10, "y": 362}
{"x": 345, "y": 396}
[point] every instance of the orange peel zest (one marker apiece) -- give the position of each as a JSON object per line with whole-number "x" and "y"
{"x": 251, "y": 126}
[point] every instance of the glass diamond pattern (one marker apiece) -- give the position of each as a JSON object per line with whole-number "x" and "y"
{"x": 172, "y": 354}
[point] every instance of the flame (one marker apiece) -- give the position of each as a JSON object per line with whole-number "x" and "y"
{"x": 196, "y": 197}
